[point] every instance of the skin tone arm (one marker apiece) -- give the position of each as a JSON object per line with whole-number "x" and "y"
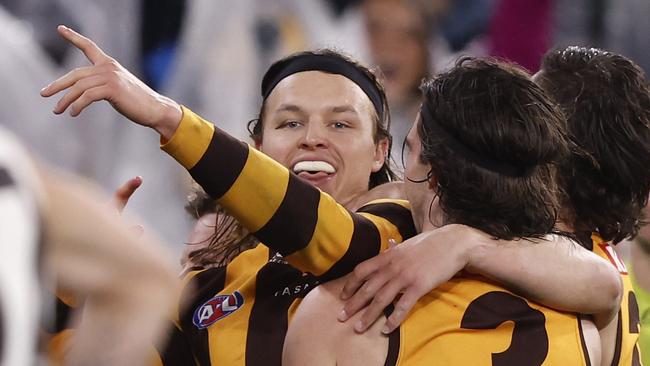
{"x": 536, "y": 270}
{"x": 92, "y": 253}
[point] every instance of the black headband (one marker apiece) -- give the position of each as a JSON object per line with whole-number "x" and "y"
{"x": 467, "y": 152}
{"x": 327, "y": 63}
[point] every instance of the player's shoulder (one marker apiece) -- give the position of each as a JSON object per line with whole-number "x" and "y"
{"x": 394, "y": 211}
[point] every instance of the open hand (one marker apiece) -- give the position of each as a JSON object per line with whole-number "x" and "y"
{"x": 107, "y": 80}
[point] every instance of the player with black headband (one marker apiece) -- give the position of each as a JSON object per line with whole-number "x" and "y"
{"x": 325, "y": 126}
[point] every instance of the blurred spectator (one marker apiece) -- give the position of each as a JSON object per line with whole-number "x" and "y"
{"x": 466, "y": 21}
{"x": 399, "y": 35}
{"x": 222, "y": 54}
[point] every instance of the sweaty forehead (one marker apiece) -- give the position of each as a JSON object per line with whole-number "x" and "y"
{"x": 317, "y": 88}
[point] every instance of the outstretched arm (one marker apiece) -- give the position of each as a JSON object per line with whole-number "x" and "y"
{"x": 557, "y": 273}
{"x": 313, "y": 231}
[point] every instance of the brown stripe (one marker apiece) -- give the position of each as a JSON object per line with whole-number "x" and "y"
{"x": 62, "y": 313}
{"x": 636, "y": 356}
{"x": 619, "y": 339}
{"x": 292, "y": 226}
{"x": 177, "y": 351}
{"x": 393, "y": 348}
{"x": 583, "y": 342}
{"x": 365, "y": 244}
{"x": 393, "y": 341}
{"x": 397, "y": 214}
{"x": 221, "y": 164}
{"x": 5, "y": 178}
{"x": 200, "y": 289}
{"x": 633, "y": 310}
{"x": 269, "y": 320}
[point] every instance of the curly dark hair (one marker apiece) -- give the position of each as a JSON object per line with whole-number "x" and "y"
{"x": 381, "y": 126}
{"x": 606, "y": 100}
{"x": 492, "y": 138}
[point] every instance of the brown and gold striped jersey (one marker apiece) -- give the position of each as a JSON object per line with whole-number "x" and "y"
{"x": 470, "y": 321}
{"x": 626, "y": 350}
{"x": 239, "y": 314}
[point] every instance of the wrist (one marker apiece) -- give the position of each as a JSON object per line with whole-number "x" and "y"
{"x": 478, "y": 247}
{"x": 169, "y": 118}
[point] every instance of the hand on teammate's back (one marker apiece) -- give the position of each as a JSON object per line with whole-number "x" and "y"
{"x": 404, "y": 273}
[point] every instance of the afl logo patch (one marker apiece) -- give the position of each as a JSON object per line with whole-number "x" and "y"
{"x": 217, "y": 308}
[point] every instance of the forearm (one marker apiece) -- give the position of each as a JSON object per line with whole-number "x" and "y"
{"x": 558, "y": 274}
{"x": 168, "y": 118}
{"x": 93, "y": 254}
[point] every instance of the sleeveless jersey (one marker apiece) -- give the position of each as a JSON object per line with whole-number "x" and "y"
{"x": 626, "y": 350}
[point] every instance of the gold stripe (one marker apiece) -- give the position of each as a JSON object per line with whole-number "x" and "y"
{"x": 227, "y": 339}
{"x": 332, "y": 236}
{"x": 403, "y": 203}
{"x": 185, "y": 281}
{"x": 330, "y": 241}
{"x": 387, "y": 230}
{"x": 191, "y": 139}
{"x": 245, "y": 196}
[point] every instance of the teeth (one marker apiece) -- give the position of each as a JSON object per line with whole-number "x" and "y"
{"x": 313, "y": 166}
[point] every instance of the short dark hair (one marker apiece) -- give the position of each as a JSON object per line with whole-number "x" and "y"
{"x": 502, "y": 121}
{"x": 606, "y": 100}
{"x": 381, "y": 125}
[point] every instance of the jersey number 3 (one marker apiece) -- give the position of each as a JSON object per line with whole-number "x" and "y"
{"x": 529, "y": 345}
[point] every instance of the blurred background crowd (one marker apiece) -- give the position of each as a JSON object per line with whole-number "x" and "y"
{"x": 210, "y": 55}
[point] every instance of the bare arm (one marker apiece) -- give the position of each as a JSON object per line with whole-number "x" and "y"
{"x": 559, "y": 273}
{"x": 128, "y": 284}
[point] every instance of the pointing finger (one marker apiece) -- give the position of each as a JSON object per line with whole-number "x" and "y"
{"x": 88, "y": 47}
